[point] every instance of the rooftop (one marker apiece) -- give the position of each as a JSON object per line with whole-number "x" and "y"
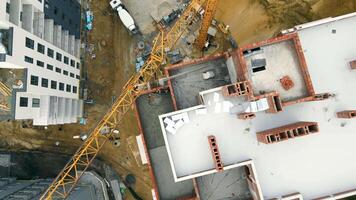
{"x": 189, "y": 81}
{"x": 149, "y": 106}
{"x": 310, "y": 165}
{"x": 279, "y": 59}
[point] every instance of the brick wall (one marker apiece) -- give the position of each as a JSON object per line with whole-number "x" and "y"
{"x": 287, "y": 132}
{"x": 346, "y": 114}
{"x": 246, "y": 116}
{"x": 215, "y": 153}
{"x": 242, "y": 88}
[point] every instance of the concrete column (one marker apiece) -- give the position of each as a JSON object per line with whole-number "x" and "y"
{"x": 57, "y": 36}
{"x": 77, "y": 48}
{"x": 38, "y": 24}
{"x": 53, "y": 110}
{"x": 74, "y": 111}
{"x": 68, "y": 108}
{"x": 49, "y": 30}
{"x": 61, "y": 110}
{"x": 27, "y": 17}
{"x": 65, "y": 39}
{"x": 80, "y": 108}
{"x": 71, "y": 45}
{"x": 15, "y": 10}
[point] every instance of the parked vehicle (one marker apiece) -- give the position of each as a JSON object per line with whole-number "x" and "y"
{"x": 124, "y": 15}
{"x": 115, "y": 4}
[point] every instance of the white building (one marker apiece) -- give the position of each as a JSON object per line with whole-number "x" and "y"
{"x": 50, "y": 57}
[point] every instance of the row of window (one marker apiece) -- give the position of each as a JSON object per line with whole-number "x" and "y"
{"x": 50, "y": 67}
{"x": 53, "y": 84}
{"x": 50, "y": 53}
{"x": 24, "y": 102}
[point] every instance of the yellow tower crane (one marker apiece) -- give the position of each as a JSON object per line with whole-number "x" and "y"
{"x": 210, "y": 10}
{"x": 74, "y": 169}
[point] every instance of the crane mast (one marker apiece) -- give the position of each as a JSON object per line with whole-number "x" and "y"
{"x": 74, "y": 169}
{"x": 210, "y": 10}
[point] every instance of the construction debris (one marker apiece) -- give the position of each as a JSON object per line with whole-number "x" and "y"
{"x": 4, "y": 89}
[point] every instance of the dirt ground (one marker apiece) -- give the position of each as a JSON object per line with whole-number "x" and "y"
{"x": 249, "y": 20}
{"x": 255, "y": 20}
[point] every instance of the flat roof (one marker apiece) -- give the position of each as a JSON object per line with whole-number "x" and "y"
{"x": 281, "y": 60}
{"x": 149, "y": 106}
{"x": 229, "y": 184}
{"x": 189, "y": 81}
{"x": 313, "y": 165}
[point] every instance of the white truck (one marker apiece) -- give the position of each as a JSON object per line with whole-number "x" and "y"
{"x": 125, "y": 17}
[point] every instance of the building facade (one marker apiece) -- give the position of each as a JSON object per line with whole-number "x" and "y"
{"x": 49, "y": 54}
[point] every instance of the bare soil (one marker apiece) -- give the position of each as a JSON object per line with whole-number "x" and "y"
{"x": 254, "y": 20}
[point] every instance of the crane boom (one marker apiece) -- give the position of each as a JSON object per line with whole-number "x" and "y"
{"x": 74, "y": 169}
{"x": 210, "y": 10}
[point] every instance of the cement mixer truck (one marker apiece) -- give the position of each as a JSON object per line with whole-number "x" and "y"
{"x": 124, "y": 15}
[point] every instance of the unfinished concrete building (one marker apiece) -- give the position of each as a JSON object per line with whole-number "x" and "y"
{"x": 232, "y": 123}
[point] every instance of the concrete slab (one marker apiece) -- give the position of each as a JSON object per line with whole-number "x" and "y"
{"x": 281, "y": 60}
{"x": 230, "y": 184}
{"x": 186, "y": 87}
{"x": 150, "y": 106}
{"x": 168, "y": 189}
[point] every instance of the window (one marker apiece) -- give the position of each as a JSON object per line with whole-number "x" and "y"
{"x": 77, "y": 77}
{"x": 40, "y": 48}
{"x": 65, "y": 72}
{"x": 78, "y": 65}
{"x": 35, "y": 103}
{"x": 28, "y": 59}
{"x": 50, "y": 52}
{"x": 55, "y": 11}
{"x": 59, "y": 56}
{"x": 34, "y": 80}
{"x": 40, "y": 63}
{"x": 53, "y": 84}
{"x": 72, "y": 75}
{"x": 44, "y": 82}
{"x": 50, "y": 67}
{"x": 7, "y": 8}
{"x": 58, "y": 70}
{"x": 21, "y": 16}
{"x": 61, "y": 86}
{"x": 68, "y": 88}
{"x": 66, "y": 60}
{"x": 72, "y": 63}
{"x": 23, "y": 101}
{"x": 74, "y": 89}
{"x": 30, "y": 43}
